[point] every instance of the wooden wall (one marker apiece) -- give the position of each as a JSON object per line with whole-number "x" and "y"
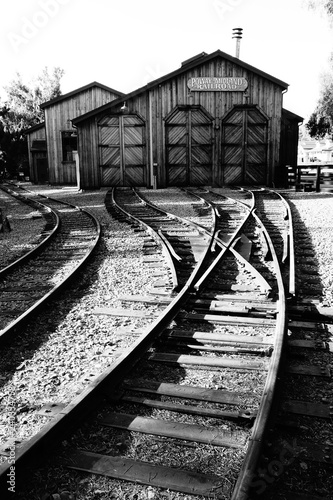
{"x": 289, "y": 137}
{"x": 156, "y": 103}
{"x": 38, "y": 134}
{"x": 58, "y": 118}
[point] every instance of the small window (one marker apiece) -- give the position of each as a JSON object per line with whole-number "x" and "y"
{"x": 69, "y": 144}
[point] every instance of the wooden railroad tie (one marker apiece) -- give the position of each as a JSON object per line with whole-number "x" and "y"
{"x": 149, "y": 474}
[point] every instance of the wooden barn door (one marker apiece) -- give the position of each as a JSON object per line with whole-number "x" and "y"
{"x": 244, "y": 146}
{"x": 189, "y": 147}
{"x": 122, "y": 151}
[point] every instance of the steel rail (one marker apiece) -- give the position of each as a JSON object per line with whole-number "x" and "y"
{"x": 155, "y": 235}
{"x": 195, "y": 225}
{"x": 291, "y": 248}
{"x": 24, "y": 317}
{"x": 192, "y": 224}
{"x": 34, "y": 251}
{"x": 84, "y": 403}
{"x": 225, "y": 246}
{"x": 109, "y": 380}
{"x": 247, "y": 472}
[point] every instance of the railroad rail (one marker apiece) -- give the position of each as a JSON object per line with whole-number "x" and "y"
{"x": 184, "y": 243}
{"x": 223, "y": 330}
{"x": 69, "y": 237}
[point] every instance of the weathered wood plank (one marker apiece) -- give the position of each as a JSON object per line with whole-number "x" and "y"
{"x": 190, "y": 392}
{"x": 109, "y": 311}
{"x": 238, "y": 320}
{"x": 314, "y": 371}
{"x": 191, "y": 410}
{"x": 234, "y": 340}
{"x": 183, "y": 359}
{"x": 308, "y": 408}
{"x": 149, "y": 474}
{"x": 177, "y": 430}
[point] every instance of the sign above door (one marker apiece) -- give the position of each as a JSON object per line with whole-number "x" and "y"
{"x": 217, "y": 83}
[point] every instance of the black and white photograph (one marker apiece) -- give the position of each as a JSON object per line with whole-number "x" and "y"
{"x": 166, "y": 249}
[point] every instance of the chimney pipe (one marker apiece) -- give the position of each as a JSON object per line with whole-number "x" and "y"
{"x": 237, "y": 33}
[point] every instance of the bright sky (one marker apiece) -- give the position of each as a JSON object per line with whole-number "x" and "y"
{"x": 126, "y": 43}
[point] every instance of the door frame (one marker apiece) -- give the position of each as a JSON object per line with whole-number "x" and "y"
{"x": 123, "y": 146}
{"x": 243, "y": 107}
{"x": 188, "y": 146}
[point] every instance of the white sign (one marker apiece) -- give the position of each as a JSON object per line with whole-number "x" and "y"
{"x": 217, "y": 83}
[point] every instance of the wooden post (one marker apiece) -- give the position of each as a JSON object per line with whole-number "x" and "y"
{"x": 318, "y": 178}
{"x": 299, "y": 171}
{"x": 77, "y": 168}
{"x": 4, "y": 223}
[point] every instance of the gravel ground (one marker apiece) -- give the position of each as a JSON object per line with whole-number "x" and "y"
{"x": 71, "y": 344}
{"x": 26, "y": 225}
{"x": 316, "y": 213}
{"x": 57, "y": 356}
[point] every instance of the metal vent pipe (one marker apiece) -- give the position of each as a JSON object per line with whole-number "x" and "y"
{"x": 237, "y": 33}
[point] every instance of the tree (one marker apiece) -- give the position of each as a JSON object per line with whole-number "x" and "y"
{"x": 325, "y": 6}
{"x": 320, "y": 123}
{"x": 318, "y": 126}
{"x": 21, "y": 110}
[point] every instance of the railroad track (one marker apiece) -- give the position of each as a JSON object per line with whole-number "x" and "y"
{"x": 198, "y": 383}
{"x": 297, "y": 458}
{"x": 183, "y": 244}
{"x": 69, "y": 237}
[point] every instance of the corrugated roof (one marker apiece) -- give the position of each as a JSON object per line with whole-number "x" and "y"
{"x": 186, "y": 65}
{"x": 77, "y": 91}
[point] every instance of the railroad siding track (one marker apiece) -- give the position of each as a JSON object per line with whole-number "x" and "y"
{"x": 51, "y": 223}
{"x": 33, "y": 278}
{"x": 185, "y": 243}
{"x": 166, "y": 396}
{"x": 297, "y": 462}
{"x": 196, "y": 397}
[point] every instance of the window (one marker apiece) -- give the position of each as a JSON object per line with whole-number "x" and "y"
{"x": 69, "y": 144}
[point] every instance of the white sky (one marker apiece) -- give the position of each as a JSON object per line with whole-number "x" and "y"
{"x": 126, "y": 43}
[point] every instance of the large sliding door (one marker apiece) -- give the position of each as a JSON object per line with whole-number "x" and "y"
{"x": 122, "y": 155}
{"x": 244, "y": 146}
{"x": 189, "y": 146}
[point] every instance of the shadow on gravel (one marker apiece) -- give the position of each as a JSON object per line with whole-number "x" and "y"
{"x": 17, "y": 353}
{"x": 287, "y": 465}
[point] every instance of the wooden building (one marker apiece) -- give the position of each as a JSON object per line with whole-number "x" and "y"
{"x": 289, "y": 137}
{"x": 214, "y": 121}
{"x": 52, "y": 145}
{"x": 37, "y": 153}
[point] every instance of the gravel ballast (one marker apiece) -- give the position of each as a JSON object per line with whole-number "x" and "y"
{"x": 70, "y": 344}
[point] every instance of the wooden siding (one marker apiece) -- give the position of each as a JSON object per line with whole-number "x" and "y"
{"x": 155, "y": 103}
{"x": 58, "y": 118}
{"x": 289, "y": 137}
{"x": 35, "y": 135}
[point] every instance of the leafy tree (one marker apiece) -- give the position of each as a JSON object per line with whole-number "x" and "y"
{"x": 318, "y": 126}
{"x": 326, "y": 6}
{"x": 21, "y": 110}
{"x": 320, "y": 123}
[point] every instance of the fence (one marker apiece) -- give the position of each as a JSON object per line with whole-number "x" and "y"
{"x": 311, "y": 177}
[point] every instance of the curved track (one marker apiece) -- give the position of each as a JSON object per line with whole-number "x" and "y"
{"x": 29, "y": 282}
{"x": 208, "y": 362}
